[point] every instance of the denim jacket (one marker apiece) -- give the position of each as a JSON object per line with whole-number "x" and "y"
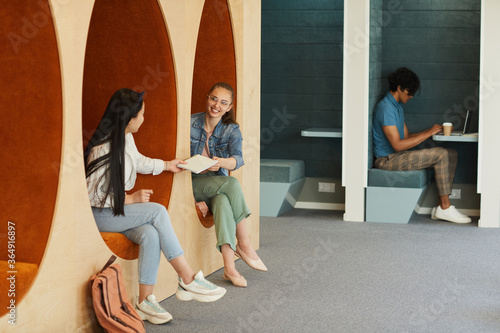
{"x": 225, "y": 141}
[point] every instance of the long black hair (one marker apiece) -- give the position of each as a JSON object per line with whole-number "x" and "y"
{"x": 229, "y": 117}
{"x": 124, "y": 105}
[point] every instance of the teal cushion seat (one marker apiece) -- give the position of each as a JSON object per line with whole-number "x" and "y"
{"x": 281, "y": 171}
{"x": 281, "y": 182}
{"x": 406, "y": 179}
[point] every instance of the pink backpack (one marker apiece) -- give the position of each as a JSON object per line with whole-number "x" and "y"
{"x": 111, "y": 304}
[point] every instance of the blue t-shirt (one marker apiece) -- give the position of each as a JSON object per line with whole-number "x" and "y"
{"x": 388, "y": 112}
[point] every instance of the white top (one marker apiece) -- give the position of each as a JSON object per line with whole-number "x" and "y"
{"x": 135, "y": 163}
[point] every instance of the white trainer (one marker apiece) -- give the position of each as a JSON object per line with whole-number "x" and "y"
{"x": 200, "y": 290}
{"x": 152, "y": 311}
{"x": 451, "y": 214}
{"x": 433, "y": 214}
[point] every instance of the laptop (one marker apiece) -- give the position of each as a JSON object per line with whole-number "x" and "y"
{"x": 466, "y": 123}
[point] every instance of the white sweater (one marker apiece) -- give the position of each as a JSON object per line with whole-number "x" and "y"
{"x": 135, "y": 163}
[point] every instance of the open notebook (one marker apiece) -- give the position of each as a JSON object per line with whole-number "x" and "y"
{"x": 197, "y": 163}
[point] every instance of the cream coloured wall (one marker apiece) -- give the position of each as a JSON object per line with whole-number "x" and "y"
{"x": 355, "y": 107}
{"x": 489, "y": 116}
{"x": 58, "y": 300}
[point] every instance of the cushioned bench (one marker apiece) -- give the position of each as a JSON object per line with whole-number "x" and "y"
{"x": 280, "y": 184}
{"x": 391, "y": 196}
{"x": 120, "y": 245}
{"x": 206, "y": 221}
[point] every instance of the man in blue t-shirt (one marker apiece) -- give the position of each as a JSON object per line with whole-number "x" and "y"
{"x": 391, "y": 143}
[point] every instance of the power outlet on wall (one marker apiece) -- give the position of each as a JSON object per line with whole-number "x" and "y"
{"x": 326, "y": 187}
{"x": 456, "y": 194}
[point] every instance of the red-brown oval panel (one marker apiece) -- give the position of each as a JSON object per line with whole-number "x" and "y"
{"x": 128, "y": 47}
{"x": 214, "y": 59}
{"x": 31, "y": 139}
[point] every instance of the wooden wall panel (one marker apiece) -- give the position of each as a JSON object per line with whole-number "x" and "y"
{"x": 59, "y": 301}
{"x": 31, "y": 135}
{"x": 228, "y": 20}
{"x": 215, "y": 33}
{"x": 120, "y": 55}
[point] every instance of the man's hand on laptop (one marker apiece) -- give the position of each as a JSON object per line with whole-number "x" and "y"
{"x": 436, "y": 129}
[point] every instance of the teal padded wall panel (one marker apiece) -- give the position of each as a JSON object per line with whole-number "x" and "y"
{"x": 302, "y": 74}
{"x": 439, "y": 40}
{"x": 282, "y": 5}
{"x": 376, "y": 86}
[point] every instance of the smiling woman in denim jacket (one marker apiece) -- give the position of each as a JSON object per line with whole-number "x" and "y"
{"x": 215, "y": 134}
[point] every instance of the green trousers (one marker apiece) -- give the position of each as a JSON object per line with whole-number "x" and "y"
{"x": 224, "y": 197}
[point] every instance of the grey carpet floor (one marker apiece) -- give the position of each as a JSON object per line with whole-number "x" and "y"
{"x": 327, "y": 275}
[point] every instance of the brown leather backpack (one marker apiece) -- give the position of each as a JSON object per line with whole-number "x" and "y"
{"x": 111, "y": 304}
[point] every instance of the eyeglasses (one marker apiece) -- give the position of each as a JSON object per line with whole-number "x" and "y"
{"x": 213, "y": 100}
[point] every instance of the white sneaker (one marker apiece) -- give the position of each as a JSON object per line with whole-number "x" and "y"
{"x": 152, "y": 311}
{"x": 200, "y": 290}
{"x": 433, "y": 214}
{"x": 451, "y": 214}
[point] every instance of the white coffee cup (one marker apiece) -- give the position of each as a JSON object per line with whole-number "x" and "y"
{"x": 447, "y": 128}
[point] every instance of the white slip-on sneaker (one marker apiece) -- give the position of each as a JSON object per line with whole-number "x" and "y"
{"x": 451, "y": 214}
{"x": 433, "y": 214}
{"x": 152, "y": 311}
{"x": 200, "y": 290}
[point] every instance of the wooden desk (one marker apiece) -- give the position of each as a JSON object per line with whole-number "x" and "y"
{"x": 455, "y": 138}
{"x": 317, "y": 132}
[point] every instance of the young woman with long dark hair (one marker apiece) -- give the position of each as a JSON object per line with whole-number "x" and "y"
{"x": 112, "y": 163}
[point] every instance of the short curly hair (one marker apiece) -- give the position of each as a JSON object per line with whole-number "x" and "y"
{"x": 405, "y": 78}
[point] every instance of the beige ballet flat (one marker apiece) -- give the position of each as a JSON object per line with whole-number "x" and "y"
{"x": 255, "y": 264}
{"x": 236, "y": 281}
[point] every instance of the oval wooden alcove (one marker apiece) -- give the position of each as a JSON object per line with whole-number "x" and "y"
{"x": 128, "y": 47}
{"x": 215, "y": 61}
{"x": 31, "y": 139}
